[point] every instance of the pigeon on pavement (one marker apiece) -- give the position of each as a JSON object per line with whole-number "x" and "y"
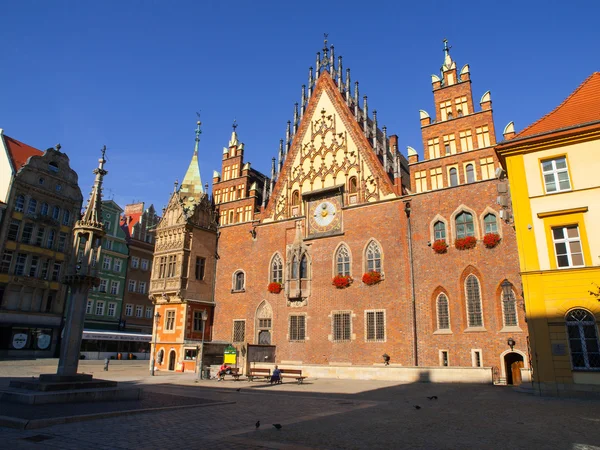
{"x": 257, "y": 423}
{"x": 277, "y": 425}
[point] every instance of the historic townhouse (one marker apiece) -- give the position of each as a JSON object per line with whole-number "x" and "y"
{"x": 183, "y": 274}
{"x": 468, "y": 294}
{"x": 105, "y": 301}
{"x": 553, "y": 168}
{"x": 42, "y": 200}
{"x": 140, "y": 225}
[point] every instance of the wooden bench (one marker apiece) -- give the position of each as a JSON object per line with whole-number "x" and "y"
{"x": 258, "y": 373}
{"x": 293, "y": 373}
{"x": 235, "y": 373}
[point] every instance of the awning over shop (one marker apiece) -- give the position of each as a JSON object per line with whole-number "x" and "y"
{"x": 101, "y": 335}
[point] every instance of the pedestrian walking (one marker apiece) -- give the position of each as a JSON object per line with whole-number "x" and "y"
{"x": 106, "y": 361}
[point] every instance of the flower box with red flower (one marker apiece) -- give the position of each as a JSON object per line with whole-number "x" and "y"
{"x": 371, "y": 277}
{"x": 342, "y": 281}
{"x": 490, "y": 240}
{"x": 465, "y": 243}
{"x": 274, "y": 288}
{"x": 440, "y": 246}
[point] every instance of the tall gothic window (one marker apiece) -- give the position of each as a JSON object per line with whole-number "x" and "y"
{"x": 238, "y": 281}
{"x": 583, "y": 340}
{"x": 352, "y": 185}
{"x": 509, "y": 309}
{"x": 343, "y": 261}
{"x": 295, "y": 198}
{"x": 443, "y": 313}
{"x": 464, "y": 225}
{"x": 474, "y": 312}
{"x": 439, "y": 231}
{"x": 276, "y": 269}
{"x": 303, "y": 267}
{"x": 373, "y": 255}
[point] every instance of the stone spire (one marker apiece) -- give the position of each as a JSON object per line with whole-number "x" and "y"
{"x": 92, "y": 217}
{"x": 191, "y": 186}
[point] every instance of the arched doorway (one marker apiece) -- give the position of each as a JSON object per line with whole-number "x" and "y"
{"x": 513, "y": 363}
{"x": 172, "y": 358}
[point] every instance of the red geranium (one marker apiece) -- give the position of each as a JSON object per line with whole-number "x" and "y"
{"x": 490, "y": 240}
{"x": 342, "y": 281}
{"x": 465, "y": 243}
{"x": 371, "y": 277}
{"x": 440, "y": 246}
{"x": 274, "y": 288}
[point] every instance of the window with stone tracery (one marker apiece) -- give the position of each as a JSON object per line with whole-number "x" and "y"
{"x": 343, "y": 261}
{"x": 276, "y": 269}
{"x": 373, "y": 257}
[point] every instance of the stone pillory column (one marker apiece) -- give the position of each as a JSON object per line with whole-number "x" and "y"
{"x": 81, "y": 275}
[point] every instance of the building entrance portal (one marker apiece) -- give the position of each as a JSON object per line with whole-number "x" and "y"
{"x": 172, "y": 358}
{"x": 513, "y": 362}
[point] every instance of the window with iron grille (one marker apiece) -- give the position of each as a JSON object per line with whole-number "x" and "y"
{"x": 464, "y": 225}
{"x": 297, "y": 328}
{"x": 342, "y": 326}
{"x": 13, "y": 230}
{"x": 583, "y": 340}
{"x": 343, "y": 261}
{"x": 474, "y": 313}
{"x": 276, "y": 269}
{"x": 509, "y": 309}
{"x": 239, "y": 331}
{"x": 443, "y": 313}
{"x": 170, "y": 321}
{"x": 373, "y": 257}
{"x": 567, "y": 246}
{"x": 6, "y": 260}
{"x": 375, "y": 325}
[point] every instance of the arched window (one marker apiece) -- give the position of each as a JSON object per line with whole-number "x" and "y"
{"x": 352, "y": 185}
{"x": 443, "y": 313}
{"x": 490, "y": 223}
{"x": 20, "y": 203}
{"x": 373, "y": 257}
{"x": 295, "y": 198}
{"x": 583, "y": 339}
{"x": 238, "y": 281}
{"x": 32, "y": 206}
{"x": 474, "y": 314}
{"x": 276, "y": 269}
{"x": 509, "y": 309}
{"x": 295, "y": 268}
{"x": 303, "y": 267}
{"x": 470, "y": 173}
{"x": 44, "y": 209}
{"x": 453, "y": 177}
{"x": 343, "y": 261}
{"x": 464, "y": 225}
{"x": 439, "y": 231}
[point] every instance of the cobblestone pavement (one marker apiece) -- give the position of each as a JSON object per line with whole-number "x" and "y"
{"x": 331, "y": 414}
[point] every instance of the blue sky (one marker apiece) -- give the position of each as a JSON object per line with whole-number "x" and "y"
{"x": 132, "y": 74}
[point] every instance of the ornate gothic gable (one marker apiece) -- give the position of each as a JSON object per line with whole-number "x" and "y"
{"x": 328, "y": 150}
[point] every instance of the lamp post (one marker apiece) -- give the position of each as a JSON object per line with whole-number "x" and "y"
{"x": 204, "y": 316}
{"x": 156, "y": 320}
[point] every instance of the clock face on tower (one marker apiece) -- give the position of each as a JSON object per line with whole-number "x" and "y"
{"x": 324, "y": 216}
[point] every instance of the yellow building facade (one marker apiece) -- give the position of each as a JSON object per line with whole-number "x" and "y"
{"x": 553, "y": 167}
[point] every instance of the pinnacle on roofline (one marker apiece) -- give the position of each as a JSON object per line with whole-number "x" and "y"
{"x": 92, "y": 217}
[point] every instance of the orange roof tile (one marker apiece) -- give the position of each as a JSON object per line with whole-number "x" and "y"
{"x": 19, "y": 153}
{"x": 579, "y": 108}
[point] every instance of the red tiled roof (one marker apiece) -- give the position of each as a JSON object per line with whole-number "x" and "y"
{"x": 581, "y": 107}
{"x": 19, "y": 153}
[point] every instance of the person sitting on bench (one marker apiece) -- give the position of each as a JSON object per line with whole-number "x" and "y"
{"x": 276, "y": 376}
{"x": 222, "y": 371}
